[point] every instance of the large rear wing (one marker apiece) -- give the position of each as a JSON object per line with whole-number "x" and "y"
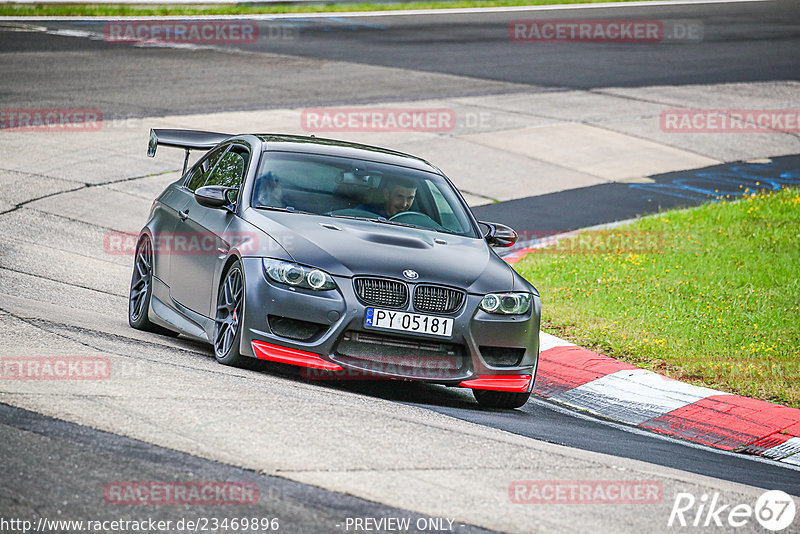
{"x": 185, "y": 139}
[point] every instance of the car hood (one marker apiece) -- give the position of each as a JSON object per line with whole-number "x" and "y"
{"x": 348, "y": 247}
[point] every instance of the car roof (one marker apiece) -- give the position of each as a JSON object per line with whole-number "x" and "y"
{"x": 334, "y": 147}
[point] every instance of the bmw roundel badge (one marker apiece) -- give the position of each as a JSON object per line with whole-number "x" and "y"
{"x": 411, "y": 274}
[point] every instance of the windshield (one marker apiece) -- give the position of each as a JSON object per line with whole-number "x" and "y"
{"x": 344, "y": 187}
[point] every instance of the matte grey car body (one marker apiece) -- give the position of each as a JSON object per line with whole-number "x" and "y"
{"x": 214, "y": 258}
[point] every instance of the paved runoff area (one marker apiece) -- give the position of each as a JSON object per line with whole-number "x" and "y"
{"x": 495, "y": 148}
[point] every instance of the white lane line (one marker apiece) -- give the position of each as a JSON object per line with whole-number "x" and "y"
{"x": 95, "y": 36}
{"x": 398, "y": 13}
{"x": 634, "y": 395}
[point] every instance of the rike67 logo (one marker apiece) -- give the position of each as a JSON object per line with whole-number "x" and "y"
{"x": 774, "y": 510}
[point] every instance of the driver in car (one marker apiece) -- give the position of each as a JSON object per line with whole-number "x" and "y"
{"x": 398, "y": 195}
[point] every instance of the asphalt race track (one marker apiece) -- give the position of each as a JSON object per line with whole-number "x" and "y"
{"x": 742, "y": 42}
{"x": 618, "y": 201}
{"x": 320, "y": 453}
{"x": 302, "y": 508}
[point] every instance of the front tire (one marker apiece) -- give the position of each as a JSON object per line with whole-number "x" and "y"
{"x": 500, "y": 399}
{"x": 228, "y": 320}
{"x": 142, "y": 290}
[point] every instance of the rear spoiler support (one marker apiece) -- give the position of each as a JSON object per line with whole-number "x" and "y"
{"x": 185, "y": 161}
{"x": 186, "y": 139}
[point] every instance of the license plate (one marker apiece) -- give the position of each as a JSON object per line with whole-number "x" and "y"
{"x": 409, "y": 322}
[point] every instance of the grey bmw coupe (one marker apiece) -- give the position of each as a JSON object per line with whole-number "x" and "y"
{"x": 350, "y": 261}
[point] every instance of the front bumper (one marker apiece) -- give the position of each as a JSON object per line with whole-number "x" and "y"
{"x": 327, "y": 334}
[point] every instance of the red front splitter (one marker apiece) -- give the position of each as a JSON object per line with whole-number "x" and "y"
{"x": 516, "y": 383}
{"x": 276, "y": 353}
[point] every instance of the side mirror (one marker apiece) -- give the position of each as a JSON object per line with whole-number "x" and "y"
{"x": 214, "y": 196}
{"x": 499, "y": 235}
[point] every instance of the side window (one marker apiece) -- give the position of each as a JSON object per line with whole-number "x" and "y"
{"x": 230, "y": 169}
{"x": 201, "y": 170}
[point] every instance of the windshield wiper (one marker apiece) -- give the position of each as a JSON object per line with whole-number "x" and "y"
{"x": 438, "y": 230}
{"x": 351, "y": 217}
{"x": 382, "y": 220}
{"x": 289, "y": 209}
{"x": 387, "y": 221}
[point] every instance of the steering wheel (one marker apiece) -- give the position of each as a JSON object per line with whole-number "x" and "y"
{"x": 417, "y": 219}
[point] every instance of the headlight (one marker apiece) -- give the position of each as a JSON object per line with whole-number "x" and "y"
{"x": 506, "y": 303}
{"x": 296, "y": 275}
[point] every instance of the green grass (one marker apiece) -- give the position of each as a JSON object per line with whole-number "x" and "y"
{"x": 708, "y": 295}
{"x": 105, "y": 10}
